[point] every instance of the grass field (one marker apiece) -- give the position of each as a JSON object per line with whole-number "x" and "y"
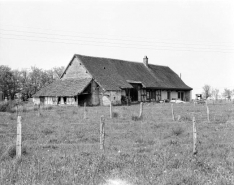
{"x": 60, "y": 147}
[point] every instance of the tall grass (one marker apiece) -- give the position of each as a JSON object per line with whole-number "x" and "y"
{"x": 61, "y": 147}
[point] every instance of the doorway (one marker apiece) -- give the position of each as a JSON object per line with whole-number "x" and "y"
{"x": 169, "y": 95}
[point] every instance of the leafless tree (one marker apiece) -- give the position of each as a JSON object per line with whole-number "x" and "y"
{"x": 26, "y": 82}
{"x": 215, "y": 93}
{"x": 206, "y": 91}
{"x": 227, "y": 93}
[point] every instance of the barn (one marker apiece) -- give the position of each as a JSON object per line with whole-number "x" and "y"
{"x": 99, "y": 81}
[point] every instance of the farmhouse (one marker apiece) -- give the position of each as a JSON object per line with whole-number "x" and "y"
{"x": 99, "y": 81}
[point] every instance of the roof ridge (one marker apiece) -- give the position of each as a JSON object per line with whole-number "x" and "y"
{"x": 118, "y": 60}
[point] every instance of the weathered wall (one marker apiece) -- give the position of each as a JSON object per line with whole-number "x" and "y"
{"x": 111, "y": 96}
{"x": 95, "y": 93}
{"x": 76, "y": 70}
{"x": 163, "y": 95}
{"x": 106, "y": 100}
{"x": 115, "y": 97}
{"x": 36, "y": 100}
{"x": 71, "y": 101}
{"x": 123, "y": 93}
{"x": 188, "y": 95}
{"x": 54, "y": 101}
{"x": 174, "y": 95}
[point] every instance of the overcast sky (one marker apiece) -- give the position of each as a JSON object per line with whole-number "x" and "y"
{"x": 194, "y": 38}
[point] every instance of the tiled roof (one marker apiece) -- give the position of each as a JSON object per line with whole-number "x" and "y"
{"x": 113, "y": 74}
{"x": 67, "y": 87}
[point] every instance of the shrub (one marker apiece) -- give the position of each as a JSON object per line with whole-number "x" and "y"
{"x": 115, "y": 114}
{"x": 136, "y": 118}
{"x": 7, "y": 106}
{"x": 186, "y": 118}
{"x": 47, "y": 131}
{"x": 74, "y": 112}
{"x": 35, "y": 108}
{"x": 47, "y": 108}
{"x": 4, "y": 107}
{"x": 24, "y": 109}
{"x": 10, "y": 152}
{"x": 177, "y": 131}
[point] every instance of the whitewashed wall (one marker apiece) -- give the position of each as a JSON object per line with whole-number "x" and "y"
{"x": 174, "y": 95}
{"x": 115, "y": 97}
{"x": 112, "y": 96}
{"x": 36, "y": 100}
{"x": 163, "y": 95}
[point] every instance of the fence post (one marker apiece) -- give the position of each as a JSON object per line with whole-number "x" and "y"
{"x": 194, "y": 137}
{"x": 172, "y": 112}
{"x": 102, "y": 133}
{"x": 179, "y": 117}
{"x": 110, "y": 110}
{"x": 141, "y": 110}
{"x": 85, "y": 116}
{"x": 39, "y": 113}
{"x": 208, "y": 112}
{"x": 18, "y": 138}
{"x": 17, "y": 110}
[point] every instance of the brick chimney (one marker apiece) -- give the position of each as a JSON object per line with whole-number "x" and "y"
{"x": 145, "y": 61}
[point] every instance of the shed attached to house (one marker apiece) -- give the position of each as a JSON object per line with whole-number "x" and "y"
{"x": 99, "y": 81}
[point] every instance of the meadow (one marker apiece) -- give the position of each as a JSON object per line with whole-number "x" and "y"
{"x": 60, "y": 147}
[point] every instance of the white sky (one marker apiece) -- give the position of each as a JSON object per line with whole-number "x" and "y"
{"x": 194, "y": 38}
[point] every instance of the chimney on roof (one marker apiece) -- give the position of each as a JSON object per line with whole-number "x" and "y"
{"x": 145, "y": 61}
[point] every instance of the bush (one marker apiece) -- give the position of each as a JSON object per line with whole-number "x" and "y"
{"x": 25, "y": 109}
{"x": 115, "y": 114}
{"x": 136, "y": 118}
{"x": 177, "y": 131}
{"x": 9, "y": 106}
{"x": 10, "y": 152}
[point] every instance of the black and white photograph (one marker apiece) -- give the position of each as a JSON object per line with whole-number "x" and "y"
{"x": 116, "y": 92}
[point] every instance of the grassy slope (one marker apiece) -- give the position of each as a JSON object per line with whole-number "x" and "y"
{"x": 62, "y": 148}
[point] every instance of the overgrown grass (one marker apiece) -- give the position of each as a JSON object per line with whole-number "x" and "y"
{"x": 61, "y": 147}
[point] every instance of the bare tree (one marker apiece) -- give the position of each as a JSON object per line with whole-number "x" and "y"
{"x": 227, "y": 93}
{"x": 26, "y": 82}
{"x": 58, "y": 71}
{"x": 215, "y": 93}
{"x": 206, "y": 91}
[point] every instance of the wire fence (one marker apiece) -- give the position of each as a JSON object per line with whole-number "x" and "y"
{"x": 201, "y": 116}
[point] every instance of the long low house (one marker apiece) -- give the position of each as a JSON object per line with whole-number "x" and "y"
{"x": 99, "y": 81}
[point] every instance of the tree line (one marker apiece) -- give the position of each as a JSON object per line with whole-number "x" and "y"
{"x": 209, "y": 92}
{"x": 26, "y": 82}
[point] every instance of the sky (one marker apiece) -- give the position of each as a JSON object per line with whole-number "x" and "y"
{"x": 195, "y": 38}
